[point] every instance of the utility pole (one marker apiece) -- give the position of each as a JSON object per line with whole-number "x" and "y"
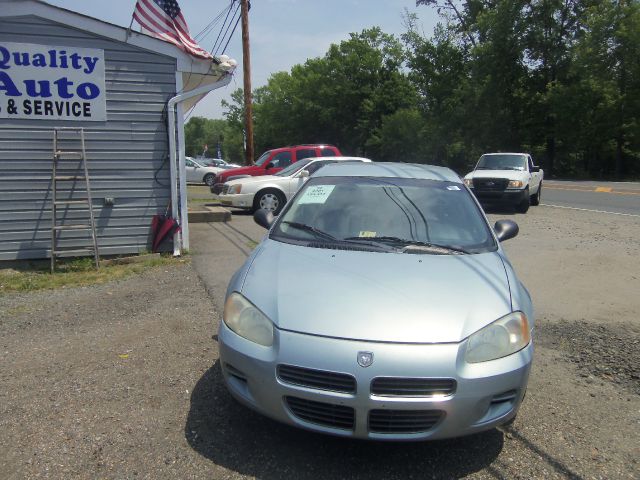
{"x": 246, "y": 67}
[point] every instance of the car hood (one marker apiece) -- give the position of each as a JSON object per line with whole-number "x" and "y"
{"x": 510, "y": 174}
{"x": 256, "y": 180}
{"x": 384, "y": 297}
{"x": 248, "y": 170}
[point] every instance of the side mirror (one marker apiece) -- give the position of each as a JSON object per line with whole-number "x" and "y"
{"x": 303, "y": 174}
{"x": 264, "y": 218}
{"x": 535, "y": 168}
{"x": 506, "y": 229}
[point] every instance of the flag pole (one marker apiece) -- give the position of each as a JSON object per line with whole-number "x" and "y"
{"x": 130, "y": 24}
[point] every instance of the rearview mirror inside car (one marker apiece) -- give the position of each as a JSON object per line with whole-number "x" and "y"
{"x": 506, "y": 229}
{"x": 264, "y": 218}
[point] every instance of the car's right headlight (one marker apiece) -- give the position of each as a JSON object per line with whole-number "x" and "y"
{"x": 241, "y": 316}
{"x": 235, "y": 188}
{"x": 503, "y": 337}
{"x": 515, "y": 184}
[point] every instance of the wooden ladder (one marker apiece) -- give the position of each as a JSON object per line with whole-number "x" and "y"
{"x": 62, "y": 156}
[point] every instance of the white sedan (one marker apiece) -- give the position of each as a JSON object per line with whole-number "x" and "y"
{"x": 199, "y": 173}
{"x": 271, "y": 192}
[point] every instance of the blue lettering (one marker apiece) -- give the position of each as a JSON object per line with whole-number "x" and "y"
{"x": 32, "y": 91}
{"x": 25, "y": 59}
{"x": 39, "y": 60}
{"x": 7, "y": 84}
{"x": 63, "y": 85}
{"x": 88, "y": 91}
{"x": 4, "y": 58}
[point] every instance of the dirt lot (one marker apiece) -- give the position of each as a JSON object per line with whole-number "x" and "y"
{"x": 121, "y": 380}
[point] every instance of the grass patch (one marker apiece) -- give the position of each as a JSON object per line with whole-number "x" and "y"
{"x": 76, "y": 273}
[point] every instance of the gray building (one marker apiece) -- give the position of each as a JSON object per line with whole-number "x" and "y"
{"x": 128, "y": 91}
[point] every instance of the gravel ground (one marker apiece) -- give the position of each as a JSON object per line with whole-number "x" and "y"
{"x": 122, "y": 380}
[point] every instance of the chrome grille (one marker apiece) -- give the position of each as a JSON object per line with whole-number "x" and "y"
{"x": 412, "y": 387}
{"x": 403, "y": 421}
{"x": 320, "y": 379}
{"x": 327, "y": 414}
{"x": 225, "y": 189}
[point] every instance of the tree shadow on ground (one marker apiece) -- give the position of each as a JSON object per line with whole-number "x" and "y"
{"x": 240, "y": 440}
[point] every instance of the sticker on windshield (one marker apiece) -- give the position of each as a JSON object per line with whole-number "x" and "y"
{"x": 316, "y": 194}
{"x": 452, "y": 187}
{"x": 367, "y": 234}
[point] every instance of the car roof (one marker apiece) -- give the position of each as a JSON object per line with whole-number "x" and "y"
{"x": 341, "y": 158}
{"x": 384, "y": 169}
{"x": 506, "y": 153}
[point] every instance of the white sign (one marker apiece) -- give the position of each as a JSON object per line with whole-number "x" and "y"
{"x": 42, "y": 82}
{"x": 316, "y": 194}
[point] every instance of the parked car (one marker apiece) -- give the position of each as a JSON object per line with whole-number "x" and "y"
{"x": 506, "y": 179}
{"x": 271, "y": 192}
{"x": 199, "y": 173}
{"x": 272, "y": 161}
{"x": 218, "y": 162}
{"x": 380, "y": 305}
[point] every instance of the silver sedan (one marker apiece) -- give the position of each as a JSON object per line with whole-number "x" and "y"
{"x": 380, "y": 306}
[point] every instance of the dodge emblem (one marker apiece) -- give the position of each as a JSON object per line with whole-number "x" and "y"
{"x": 365, "y": 359}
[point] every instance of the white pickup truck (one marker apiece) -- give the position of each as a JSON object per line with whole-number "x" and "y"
{"x": 506, "y": 179}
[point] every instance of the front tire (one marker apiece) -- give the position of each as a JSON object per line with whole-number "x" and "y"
{"x": 270, "y": 200}
{"x": 209, "y": 178}
{"x": 535, "y": 199}
{"x": 523, "y": 206}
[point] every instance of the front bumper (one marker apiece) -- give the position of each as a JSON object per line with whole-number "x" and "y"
{"x": 502, "y": 197}
{"x": 486, "y": 394}
{"x": 240, "y": 200}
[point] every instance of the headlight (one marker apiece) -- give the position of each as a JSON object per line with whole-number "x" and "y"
{"x": 235, "y": 189}
{"x": 247, "y": 321}
{"x": 515, "y": 184}
{"x": 499, "y": 339}
{"x": 468, "y": 182}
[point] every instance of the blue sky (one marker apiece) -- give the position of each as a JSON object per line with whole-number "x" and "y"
{"x": 283, "y": 32}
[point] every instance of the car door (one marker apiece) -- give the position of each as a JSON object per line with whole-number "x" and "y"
{"x": 278, "y": 162}
{"x": 191, "y": 168}
{"x": 297, "y": 180}
{"x": 535, "y": 176}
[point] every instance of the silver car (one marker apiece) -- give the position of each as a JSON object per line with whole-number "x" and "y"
{"x": 380, "y": 306}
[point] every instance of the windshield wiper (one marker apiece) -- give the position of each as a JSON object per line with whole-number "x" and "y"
{"x": 310, "y": 228}
{"x": 406, "y": 243}
{"x": 327, "y": 236}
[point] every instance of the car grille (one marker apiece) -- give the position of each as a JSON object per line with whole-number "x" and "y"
{"x": 412, "y": 387}
{"x": 403, "y": 421}
{"x": 320, "y": 379}
{"x": 327, "y": 414}
{"x": 490, "y": 184}
{"x": 225, "y": 189}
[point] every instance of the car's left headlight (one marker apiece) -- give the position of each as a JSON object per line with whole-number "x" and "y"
{"x": 235, "y": 189}
{"x": 241, "y": 316}
{"x": 515, "y": 184}
{"x": 503, "y": 337}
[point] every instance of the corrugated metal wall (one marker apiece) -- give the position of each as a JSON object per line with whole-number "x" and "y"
{"x": 127, "y": 155}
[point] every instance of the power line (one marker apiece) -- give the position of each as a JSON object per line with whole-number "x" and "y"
{"x": 217, "y": 45}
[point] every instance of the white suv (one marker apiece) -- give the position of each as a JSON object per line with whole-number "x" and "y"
{"x": 506, "y": 179}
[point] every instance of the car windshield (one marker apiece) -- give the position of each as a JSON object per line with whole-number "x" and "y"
{"x": 197, "y": 163}
{"x": 502, "y": 162}
{"x": 398, "y": 214}
{"x": 263, "y": 158}
{"x": 294, "y": 167}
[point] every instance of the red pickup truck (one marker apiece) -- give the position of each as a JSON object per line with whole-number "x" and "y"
{"x": 272, "y": 161}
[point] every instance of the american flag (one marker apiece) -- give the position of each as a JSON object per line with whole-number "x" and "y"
{"x": 164, "y": 19}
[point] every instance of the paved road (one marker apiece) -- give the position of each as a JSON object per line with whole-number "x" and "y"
{"x": 613, "y": 197}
